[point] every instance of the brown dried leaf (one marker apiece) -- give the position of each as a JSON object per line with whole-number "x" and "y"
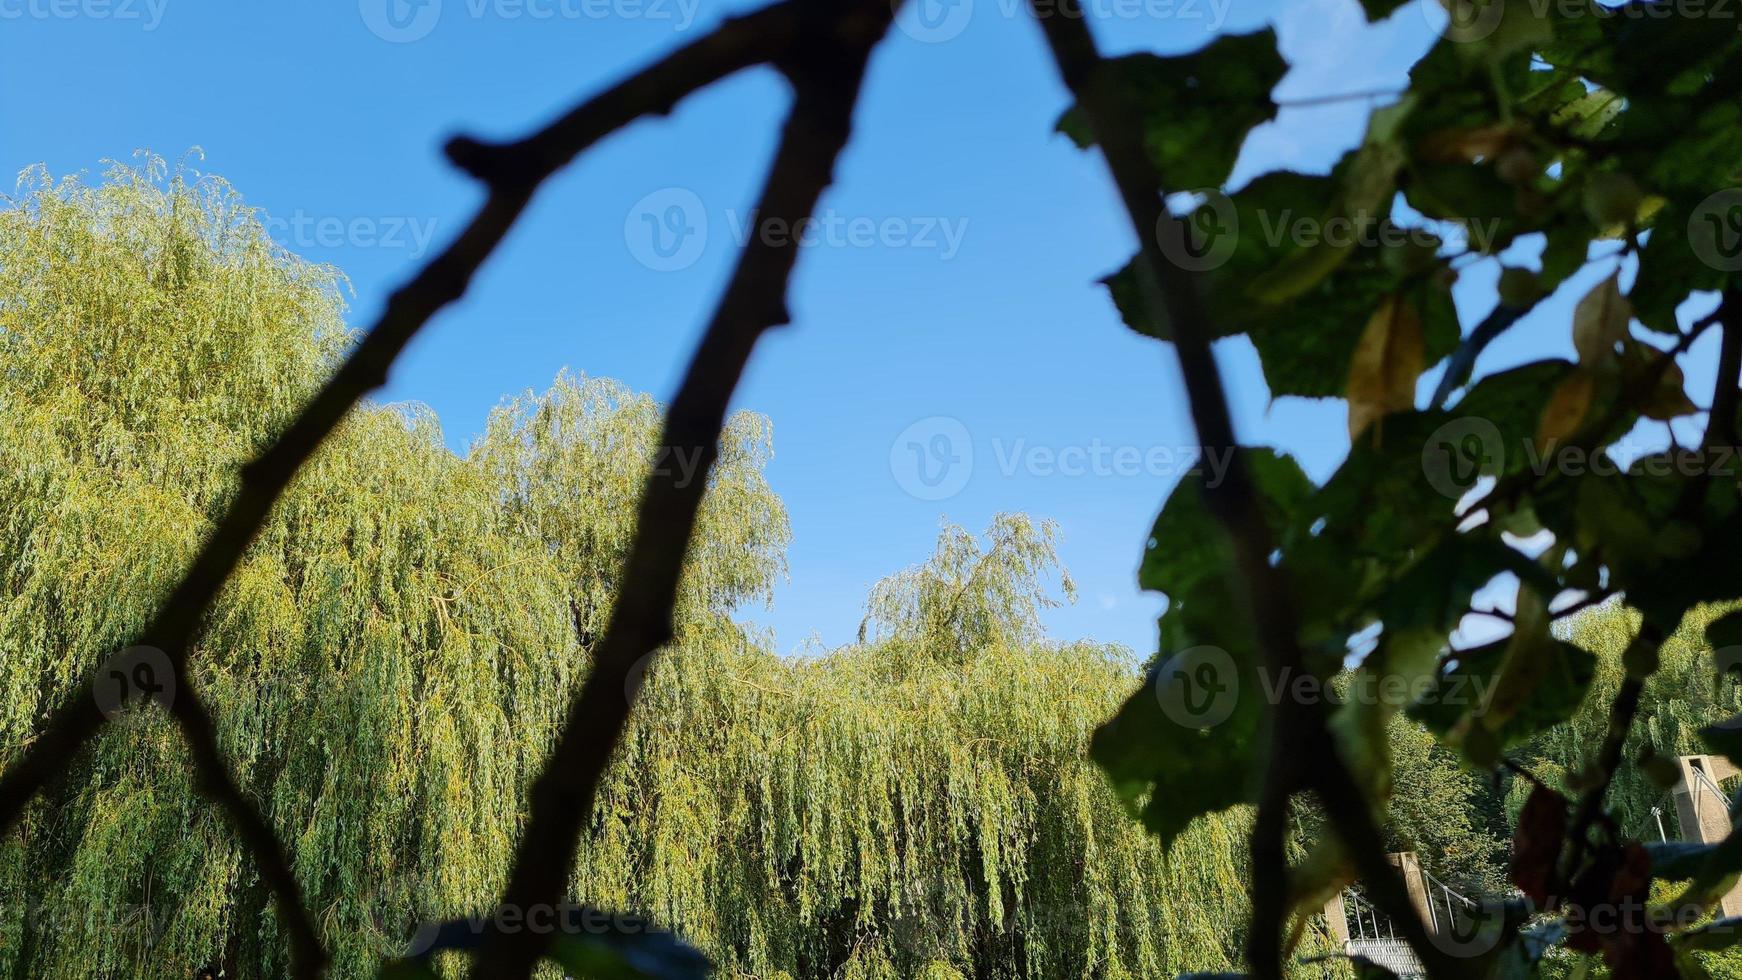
{"x": 1567, "y": 407}
{"x": 1600, "y": 322}
{"x": 1388, "y": 360}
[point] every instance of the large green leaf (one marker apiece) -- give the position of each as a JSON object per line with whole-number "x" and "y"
{"x": 1677, "y": 860}
{"x": 1378, "y": 10}
{"x": 1670, "y": 269}
{"x": 1187, "y": 742}
{"x": 1196, "y": 108}
{"x": 1251, "y": 229}
{"x": 1649, "y": 49}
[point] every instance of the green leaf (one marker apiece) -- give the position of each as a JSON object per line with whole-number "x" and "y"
{"x": 1168, "y": 770}
{"x": 1710, "y": 938}
{"x": 1569, "y": 243}
{"x": 1253, "y": 225}
{"x": 1692, "y": 559}
{"x": 1724, "y": 738}
{"x": 1306, "y": 340}
{"x": 1187, "y": 742}
{"x": 1434, "y": 592}
{"x": 1670, "y": 269}
{"x": 1651, "y": 52}
{"x": 1714, "y": 876}
{"x": 1378, "y": 503}
{"x": 1366, "y": 182}
{"x": 1189, "y": 558}
{"x": 1471, "y": 195}
{"x": 1378, "y": 10}
{"x": 1724, "y": 636}
{"x": 1693, "y": 148}
{"x": 1677, "y": 860}
{"x": 1187, "y": 545}
{"x": 1512, "y": 401}
{"x": 1196, "y": 108}
{"x": 615, "y": 954}
{"x": 1306, "y": 344}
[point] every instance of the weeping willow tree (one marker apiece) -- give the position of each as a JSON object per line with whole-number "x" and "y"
{"x": 392, "y": 660}
{"x": 389, "y": 666}
{"x": 913, "y": 805}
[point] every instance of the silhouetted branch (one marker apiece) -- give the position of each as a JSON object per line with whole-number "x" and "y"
{"x": 513, "y": 172}
{"x": 826, "y": 67}
{"x": 1721, "y": 423}
{"x": 1302, "y": 752}
{"x": 1463, "y": 360}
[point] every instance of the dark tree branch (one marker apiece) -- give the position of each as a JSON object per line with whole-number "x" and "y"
{"x": 1463, "y": 360}
{"x": 826, "y": 66}
{"x": 1621, "y": 713}
{"x": 1302, "y": 751}
{"x": 1721, "y": 422}
{"x": 513, "y": 172}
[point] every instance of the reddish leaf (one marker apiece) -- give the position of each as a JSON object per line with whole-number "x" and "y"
{"x": 1634, "y": 947}
{"x": 1542, "y": 828}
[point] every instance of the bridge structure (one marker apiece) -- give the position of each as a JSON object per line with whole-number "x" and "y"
{"x": 1702, "y": 816}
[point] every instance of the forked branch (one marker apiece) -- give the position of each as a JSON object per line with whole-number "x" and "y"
{"x": 512, "y": 171}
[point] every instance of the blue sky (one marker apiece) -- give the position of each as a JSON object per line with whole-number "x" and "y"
{"x": 956, "y": 281}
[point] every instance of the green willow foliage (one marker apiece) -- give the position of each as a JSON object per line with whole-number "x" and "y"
{"x": 390, "y": 664}
{"x": 1683, "y": 696}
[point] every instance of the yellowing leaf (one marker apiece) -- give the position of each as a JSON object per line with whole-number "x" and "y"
{"x": 1467, "y": 144}
{"x": 1387, "y": 362}
{"x": 1567, "y": 407}
{"x": 1600, "y": 322}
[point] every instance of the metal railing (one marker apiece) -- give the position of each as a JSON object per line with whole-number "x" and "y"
{"x": 1372, "y": 935}
{"x": 1444, "y": 903}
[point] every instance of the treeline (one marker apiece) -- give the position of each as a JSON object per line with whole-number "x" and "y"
{"x": 389, "y": 665}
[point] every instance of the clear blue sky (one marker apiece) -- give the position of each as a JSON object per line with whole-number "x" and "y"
{"x": 974, "y": 299}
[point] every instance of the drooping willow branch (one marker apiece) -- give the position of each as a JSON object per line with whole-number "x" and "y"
{"x": 516, "y": 171}
{"x": 826, "y": 69}
{"x": 1302, "y": 753}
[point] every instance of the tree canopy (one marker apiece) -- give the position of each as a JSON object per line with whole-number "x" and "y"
{"x": 390, "y": 663}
